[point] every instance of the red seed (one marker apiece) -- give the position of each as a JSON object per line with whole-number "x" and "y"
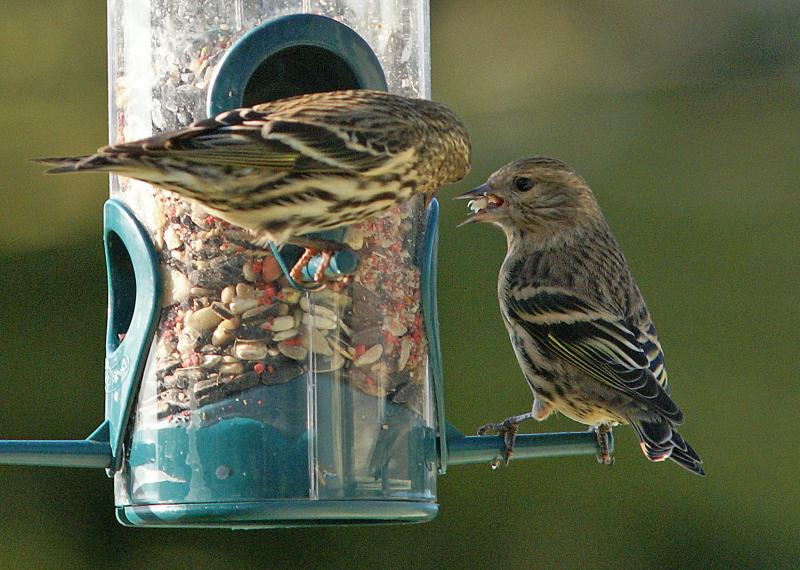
{"x": 259, "y": 367}
{"x": 270, "y": 269}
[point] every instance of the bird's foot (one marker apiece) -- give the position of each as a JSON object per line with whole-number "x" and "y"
{"x": 313, "y": 247}
{"x": 325, "y": 260}
{"x": 297, "y": 270}
{"x": 507, "y": 429}
{"x": 603, "y": 433}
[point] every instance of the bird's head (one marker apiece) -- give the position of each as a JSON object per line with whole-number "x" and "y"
{"x": 536, "y": 195}
{"x": 447, "y": 145}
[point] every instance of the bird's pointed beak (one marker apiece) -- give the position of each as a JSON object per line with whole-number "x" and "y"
{"x": 478, "y": 192}
{"x": 484, "y": 204}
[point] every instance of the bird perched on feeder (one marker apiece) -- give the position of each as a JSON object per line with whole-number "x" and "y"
{"x": 578, "y": 324}
{"x": 303, "y": 164}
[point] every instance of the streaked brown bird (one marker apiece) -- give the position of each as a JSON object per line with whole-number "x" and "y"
{"x": 298, "y": 165}
{"x": 580, "y": 329}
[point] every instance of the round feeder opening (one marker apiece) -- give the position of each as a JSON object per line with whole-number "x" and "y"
{"x": 298, "y": 70}
{"x": 123, "y": 284}
{"x": 293, "y": 55}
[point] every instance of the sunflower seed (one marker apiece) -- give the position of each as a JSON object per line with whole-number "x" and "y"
{"x": 224, "y": 332}
{"x": 405, "y": 351}
{"x": 370, "y": 356}
{"x": 293, "y": 351}
{"x": 317, "y": 343}
{"x": 244, "y": 290}
{"x": 250, "y": 349}
{"x": 228, "y": 293}
{"x": 221, "y": 310}
{"x": 241, "y": 304}
{"x": 259, "y": 315}
{"x": 204, "y": 319}
{"x": 282, "y": 323}
{"x": 231, "y": 368}
{"x": 285, "y": 335}
{"x": 210, "y": 361}
{"x": 318, "y": 322}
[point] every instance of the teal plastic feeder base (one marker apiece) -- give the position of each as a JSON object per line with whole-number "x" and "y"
{"x": 280, "y": 513}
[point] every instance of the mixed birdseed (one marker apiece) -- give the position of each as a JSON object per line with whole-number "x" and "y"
{"x": 231, "y": 321}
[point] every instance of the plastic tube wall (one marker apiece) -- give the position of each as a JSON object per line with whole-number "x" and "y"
{"x": 253, "y": 390}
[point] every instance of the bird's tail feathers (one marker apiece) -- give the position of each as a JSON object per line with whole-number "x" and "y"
{"x": 62, "y": 164}
{"x": 660, "y": 441}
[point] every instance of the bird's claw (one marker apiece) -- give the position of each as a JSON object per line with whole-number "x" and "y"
{"x": 323, "y": 266}
{"x": 297, "y": 270}
{"x": 507, "y": 429}
{"x": 312, "y": 247}
{"x": 603, "y": 433}
{"x": 325, "y": 260}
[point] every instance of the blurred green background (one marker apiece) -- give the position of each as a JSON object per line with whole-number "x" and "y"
{"x": 683, "y": 116}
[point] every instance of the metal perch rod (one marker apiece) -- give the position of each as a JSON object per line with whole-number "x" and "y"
{"x": 94, "y": 451}
{"x": 479, "y": 449}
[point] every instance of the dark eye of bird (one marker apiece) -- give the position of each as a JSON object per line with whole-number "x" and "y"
{"x": 523, "y": 183}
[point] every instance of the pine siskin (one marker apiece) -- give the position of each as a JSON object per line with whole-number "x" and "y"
{"x": 579, "y": 327}
{"x": 297, "y": 165}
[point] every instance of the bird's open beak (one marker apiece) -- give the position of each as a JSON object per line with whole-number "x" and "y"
{"x": 484, "y": 204}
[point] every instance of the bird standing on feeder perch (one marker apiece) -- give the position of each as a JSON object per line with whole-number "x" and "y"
{"x": 577, "y": 321}
{"x": 303, "y": 164}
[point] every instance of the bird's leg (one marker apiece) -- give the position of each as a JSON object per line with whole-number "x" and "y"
{"x": 507, "y": 429}
{"x": 603, "y": 433}
{"x": 297, "y": 270}
{"x": 313, "y": 246}
{"x": 323, "y": 265}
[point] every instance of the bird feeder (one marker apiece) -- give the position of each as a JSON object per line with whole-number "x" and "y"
{"x": 235, "y": 396}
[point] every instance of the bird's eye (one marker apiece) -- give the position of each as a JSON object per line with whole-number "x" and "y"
{"x": 523, "y": 183}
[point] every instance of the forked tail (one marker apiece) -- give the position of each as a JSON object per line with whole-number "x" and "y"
{"x": 660, "y": 441}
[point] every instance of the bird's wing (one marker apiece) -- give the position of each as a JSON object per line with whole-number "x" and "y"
{"x": 247, "y": 138}
{"x": 612, "y": 350}
{"x": 231, "y": 139}
{"x": 329, "y": 145}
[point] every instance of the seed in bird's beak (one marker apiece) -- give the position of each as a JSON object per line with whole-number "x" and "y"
{"x": 484, "y": 203}
{"x": 478, "y": 204}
